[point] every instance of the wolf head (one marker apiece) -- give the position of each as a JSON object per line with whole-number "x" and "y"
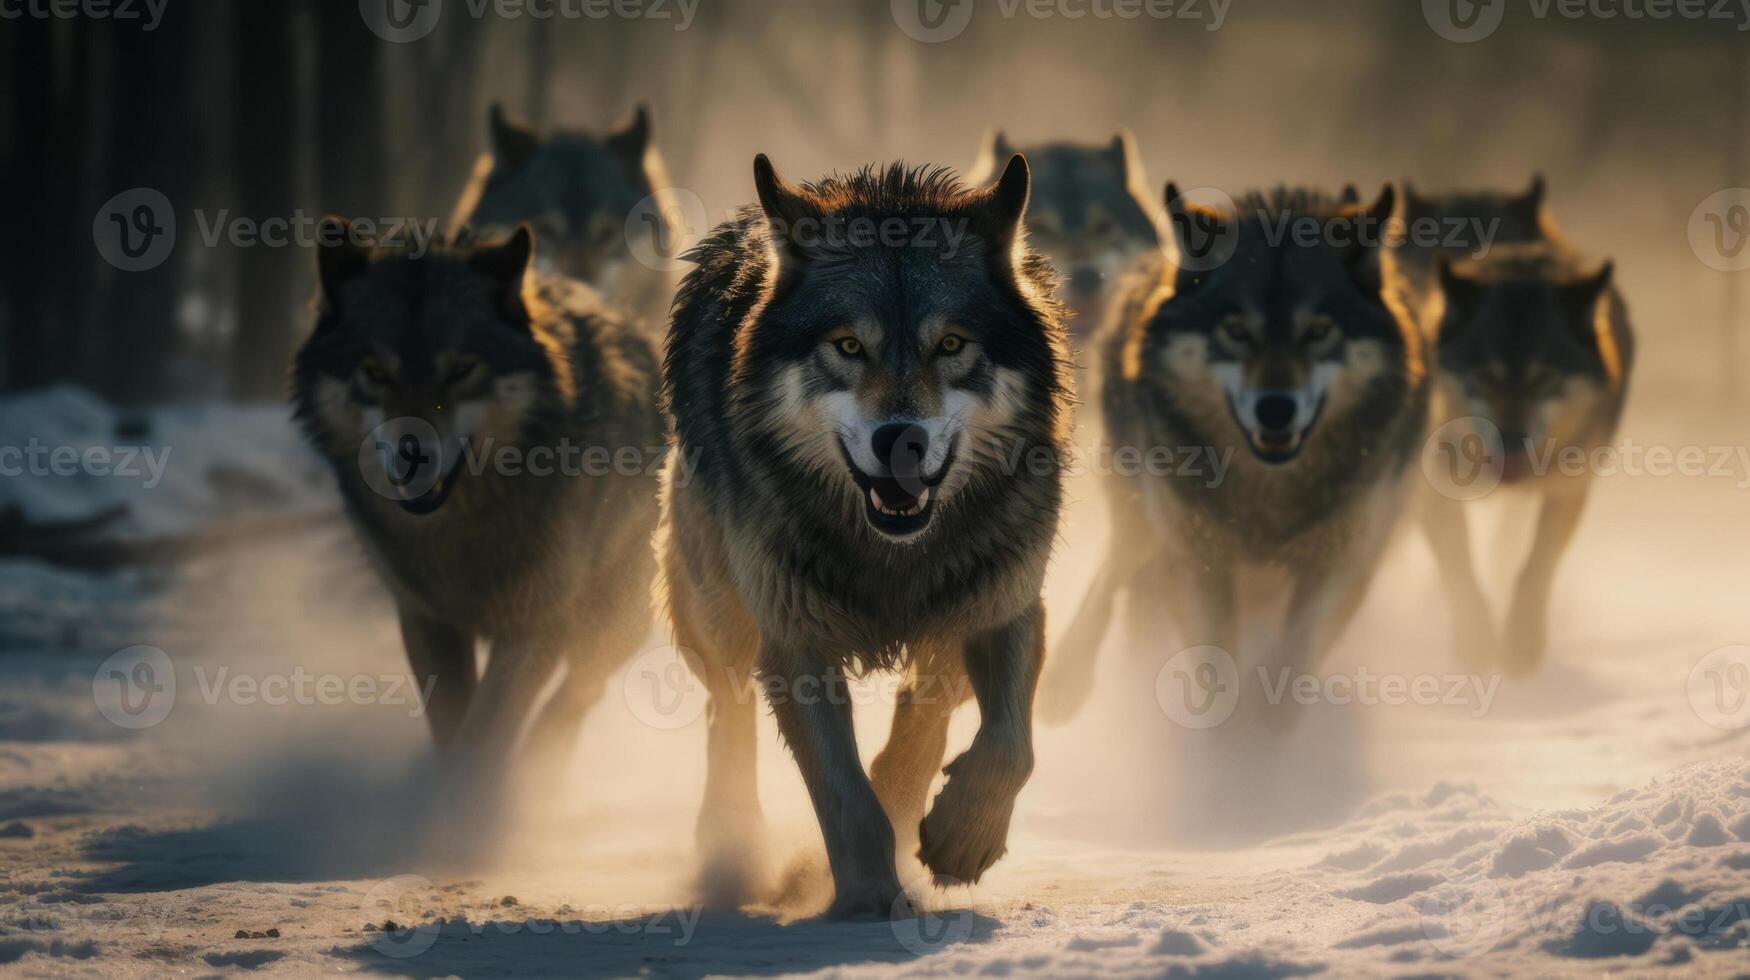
{"x": 908, "y": 339}
{"x": 1088, "y": 214}
{"x": 1290, "y": 332}
{"x": 1507, "y": 218}
{"x": 1523, "y": 348}
{"x": 412, "y": 358}
{"x": 575, "y": 189}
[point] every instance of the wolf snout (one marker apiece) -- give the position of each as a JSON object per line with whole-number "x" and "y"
{"x": 1276, "y": 411}
{"x": 1086, "y": 281}
{"x": 901, "y": 447}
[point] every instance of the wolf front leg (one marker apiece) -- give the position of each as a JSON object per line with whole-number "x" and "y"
{"x": 442, "y": 659}
{"x": 813, "y": 709}
{"x": 1444, "y": 523}
{"x": 935, "y": 684}
{"x": 967, "y": 828}
{"x": 1528, "y": 617}
{"x": 518, "y": 669}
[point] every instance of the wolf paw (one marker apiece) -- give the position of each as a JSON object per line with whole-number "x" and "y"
{"x": 881, "y": 901}
{"x": 967, "y": 829}
{"x": 1527, "y": 639}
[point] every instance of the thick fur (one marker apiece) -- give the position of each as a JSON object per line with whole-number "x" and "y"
{"x": 547, "y": 570}
{"x": 772, "y": 561}
{"x": 1535, "y": 340}
{"x": 1177, "y": 367}
{"x": 578, "y": 190}
{"x": 1090, "y": 215}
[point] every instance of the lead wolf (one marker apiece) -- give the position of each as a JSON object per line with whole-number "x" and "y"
{"x": 853, "y": 400}
{"x": 1297, "y": 358}
{"x": 1088, "y": 215}
{"x": 1535, "y": 348}
{"x": 599, "y": 205}
{"x": 422, "y": 376}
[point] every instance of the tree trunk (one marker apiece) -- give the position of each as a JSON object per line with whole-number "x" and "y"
{"x": 350, "y": 154}
{"x": 265, "y": 162}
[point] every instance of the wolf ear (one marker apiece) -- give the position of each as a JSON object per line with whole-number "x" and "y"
{"x": 629, "y": 142}
{"x": 339, "y": 260}
{"x": 787, "y": 209}
{"x": 504, "y": 267}
{"x": 1006, "y": 200}
{"x": 1532, "y": 200}
{"x": 1195, "y": 227}
{"x": 1364, "y": 255}
{"x": 512, "y": 142}
{"x": 1350, "y": 195}
{"x": 1581, "y": 299}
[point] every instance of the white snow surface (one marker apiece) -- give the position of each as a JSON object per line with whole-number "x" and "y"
{"x": 1584, "y": 820}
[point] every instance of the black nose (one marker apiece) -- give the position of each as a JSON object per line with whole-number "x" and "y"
{"x": 900, "y": 446}
{"x": 1086, "y": 281}
{"x": 1275, "y": 412}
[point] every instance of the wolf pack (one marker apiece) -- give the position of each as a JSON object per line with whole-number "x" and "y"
{"x": 870, "y": 429}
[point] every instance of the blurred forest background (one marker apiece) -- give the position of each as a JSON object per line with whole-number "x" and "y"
{"x": 266, "y": 108}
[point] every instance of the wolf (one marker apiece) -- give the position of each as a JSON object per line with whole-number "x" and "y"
{"x": 848, "y": 407}
{"x": 1536, "y": 347}
{"x": 1089, "y": 215}
{"x": 1299, "y": 356}
{"x": 594, "y": 201}
{"x": 1482, "y": 219}
{"x": 446, "y": 391}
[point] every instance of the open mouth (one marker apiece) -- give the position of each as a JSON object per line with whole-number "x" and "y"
{"x": 1277, "y": 446}
{"x": 899, "y": 505}
{"x": 434, "y": 497}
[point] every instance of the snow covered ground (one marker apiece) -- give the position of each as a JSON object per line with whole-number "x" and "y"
{"x": 1595, "y": 817}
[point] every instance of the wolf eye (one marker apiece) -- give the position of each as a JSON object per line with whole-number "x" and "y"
{"x": 1319, "y": 329}
{"x": 951, "y": 344}
{"x": 849, "y": 346}
{"x": 373, "y": 374}
{"x": 1235, "y": 331}
{"x": 463, "y": 368}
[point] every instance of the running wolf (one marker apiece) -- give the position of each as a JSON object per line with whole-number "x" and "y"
{"x": 870, "y": 389}
{"x": 595, "y": 202}
{"x": 1297, "y": 356}
{"x": 1534, "y": 346}
{"x": 448, "y": 391}
{"x": 1089, "y": 215}
{"x": 1464, "y": 225}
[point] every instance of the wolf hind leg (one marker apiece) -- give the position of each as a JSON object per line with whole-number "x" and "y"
{"x": 731, "y": 827}
{"x": 1448, "y": 532}
{"x": 1528, "y": 617}
{"x": 935, "y": 684}
{"x": 967, "y": 828}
